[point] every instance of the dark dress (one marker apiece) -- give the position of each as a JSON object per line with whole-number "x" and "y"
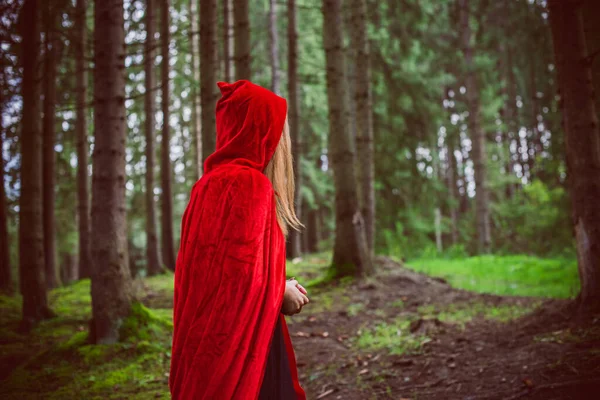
{"x": 277, "y": 383}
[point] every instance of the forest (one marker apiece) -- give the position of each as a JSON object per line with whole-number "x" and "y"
{"x": 447, "y": 166}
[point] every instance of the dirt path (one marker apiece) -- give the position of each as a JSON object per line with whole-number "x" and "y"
{"x": 455, "y": 344}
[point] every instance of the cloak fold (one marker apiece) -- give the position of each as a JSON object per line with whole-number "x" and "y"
{"x": 230, "y": 271}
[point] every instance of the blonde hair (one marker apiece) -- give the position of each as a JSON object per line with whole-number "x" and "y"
{"x": 280, "y": 172}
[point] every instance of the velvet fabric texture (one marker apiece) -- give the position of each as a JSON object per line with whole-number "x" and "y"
{"x": 230, "y": 271}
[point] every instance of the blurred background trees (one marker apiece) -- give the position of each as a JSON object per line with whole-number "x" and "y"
{"x": 449, "y": 134}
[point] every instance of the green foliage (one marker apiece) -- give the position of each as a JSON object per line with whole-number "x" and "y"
{"x": 535, "y": 220}
{"x": 516, "y": 275}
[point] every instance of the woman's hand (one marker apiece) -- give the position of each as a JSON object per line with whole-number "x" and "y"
{"x": 294, "y": 298}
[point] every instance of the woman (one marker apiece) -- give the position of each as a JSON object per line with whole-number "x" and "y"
{"x": 230, "y": 338}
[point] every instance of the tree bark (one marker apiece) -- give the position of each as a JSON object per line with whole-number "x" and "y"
{"x": 31, "y": 224}
{"x": 242, "y": 39}
{"x": 111, "y": 278}
{"x": 452, "y": 177}
{"x": 83, "y": 194}
{"x": 350, "y": 253}
{"x": 511, "y": 118}
{"x": 477, "y": 134}
{"x": 534, "y": 142}
{"x": 274, "y": 46}
{"x": 168, "y": 249}
{"x": 294, "y": 249}
{"x": 49, "y": 139}
{"x": 153, "y": 262}
{"x": 312, "y": 231}
{"x": 591, "y": 10}
{"x": 208, "y": 64}
{"x": 582, "y": 143}
{"x": 6, "y": 281}
{"x": 364, "y": 116}
{"x": 196, "y": 112}
{"x": 227, "y": 40}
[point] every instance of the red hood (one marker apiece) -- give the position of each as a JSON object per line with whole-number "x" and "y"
{"x": 250, "y": 121}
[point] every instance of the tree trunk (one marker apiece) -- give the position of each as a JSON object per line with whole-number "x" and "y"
{"x": 49, "y": 138}
{"x": 294, "y": 121}
{"x": 208, "y": 64}
{"x": 83, "y": 195}
{"x": 31, "y": 224}
{"x": 364, "y": 116}
{"x": 453, "y": 189}
{"x": 111, "y": 278}
{"x": 195, "y": 50}
{"x": 452, "y": 174}
{"x": 153, "y": 262}
{"x": 511, "y": 118}
{"x": 312, "y": 231}
{"x": 274, "y": 46}
{"x": 582, "y": 143}
{"x": 477, "y": 134}
{"x": 5, "y": 267}
{"x": 227, "y": 40}
{"x": 591, "y": 10}
{"x": 534, "y": 142}
{"x": 242, "y": 39}
{"x": 168, "y": 250}
{"x": 350, "y": 253}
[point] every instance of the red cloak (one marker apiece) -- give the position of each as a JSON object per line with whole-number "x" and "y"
{"x": 230, "y": 272}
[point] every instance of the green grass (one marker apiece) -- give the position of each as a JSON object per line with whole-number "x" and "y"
{"x": 515, "y": 275}
{"x": 394, "y": 337}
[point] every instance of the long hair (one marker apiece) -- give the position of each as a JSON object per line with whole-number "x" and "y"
{"x": 280, "y": 172}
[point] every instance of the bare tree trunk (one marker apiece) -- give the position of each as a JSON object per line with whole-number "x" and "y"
{"x": 168, "y": 249}
{"x": 31, "y": 225}
{"x": 49, "y": 139}
{"x": 274, "y": 45}
{"x": 208, "y": 64}
{"x": 511, "y": 117}
{"x": 111, "y": 278}
{"x": 312, "y": 231}
{"x": 364, "y": 116}
{"x": 477, "y": 134}
{"x": 83, "y": 194}
{"x": 350, "y": 253}
{"x": 227, "y": 40}
{"x": 534, "y": 143}
{"x": 195, "y": 50}
{"x": 582, "y": 143}
{"x": 6, "y": 281}
{"x": 591, "y": 10}
{"x": 294, "y": 121}
{"x": 152, "y": 255}
{"x": 453, "y": 189}
{"x": 242, "y": 39}
{"x": 452, "y": 173}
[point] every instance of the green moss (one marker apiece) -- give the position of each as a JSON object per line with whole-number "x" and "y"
{"x": 73, "y": 300}
{"x": 161, "y": 283}
{"x": 76, "y": 340}
{"x": 355, "y": 308}
{"x": 143, "y": 324}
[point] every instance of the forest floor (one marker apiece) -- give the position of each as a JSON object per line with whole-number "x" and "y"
{"x": 398, "y": 335}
